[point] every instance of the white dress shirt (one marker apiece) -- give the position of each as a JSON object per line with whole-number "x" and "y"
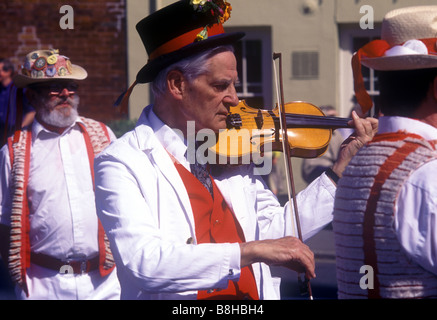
{"x": 145, "y": 209}
{"x": 416, "y": 205}
{"x": 63, "y": 220}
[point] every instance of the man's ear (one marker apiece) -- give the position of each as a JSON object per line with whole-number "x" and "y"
{"x": 176, "y": 83}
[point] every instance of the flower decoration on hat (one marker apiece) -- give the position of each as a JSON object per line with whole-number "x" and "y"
{"x": 220, "y": 9}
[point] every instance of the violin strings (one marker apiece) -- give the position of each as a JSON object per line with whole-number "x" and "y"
{"x": 324, "y": 121}
{"x": 302, "y": 116}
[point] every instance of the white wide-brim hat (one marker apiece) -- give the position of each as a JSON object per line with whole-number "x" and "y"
{"x": 47, "y": 65}
{"x": 408, "y": 42}
{"x": 411, "y": 35}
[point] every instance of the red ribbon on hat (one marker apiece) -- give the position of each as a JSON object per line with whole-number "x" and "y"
{"x": 375, "y": 49}
{"x": 184, "y": 40}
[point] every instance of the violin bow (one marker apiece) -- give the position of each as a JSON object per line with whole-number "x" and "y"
{"x": 304, "y": 284}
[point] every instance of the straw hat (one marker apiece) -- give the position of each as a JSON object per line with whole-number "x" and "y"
{"x": 47, "y": 65}
{"x": 411, "y": 35}
{"x": 408, "y": 42}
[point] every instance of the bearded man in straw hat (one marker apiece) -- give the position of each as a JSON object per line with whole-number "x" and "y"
{"x": 385, "y": 204}
{"x": 176, "y": 230}
{"x": 51, "y": 238}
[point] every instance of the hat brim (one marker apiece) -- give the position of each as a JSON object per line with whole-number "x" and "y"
{"x": 152, "y": 68}
{"x": 78, "y": 73}
{"x": 404, "y": 62}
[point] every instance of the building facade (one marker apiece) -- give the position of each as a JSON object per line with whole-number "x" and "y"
{"x": 92, "y": 33}
{"x": 316, "y": 39}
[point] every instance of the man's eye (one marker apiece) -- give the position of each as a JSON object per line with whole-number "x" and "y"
{"x": 222, "y": 86}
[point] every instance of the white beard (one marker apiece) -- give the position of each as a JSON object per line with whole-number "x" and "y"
{"x": 60, "y": 118}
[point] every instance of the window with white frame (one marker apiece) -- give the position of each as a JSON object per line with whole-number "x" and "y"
{"x": 353, "y": 38}
{"x": 254, "y": 63}
{"x": 370, "y": 76}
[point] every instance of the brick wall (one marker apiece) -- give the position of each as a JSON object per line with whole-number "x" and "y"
{"x": 97, "y": 43}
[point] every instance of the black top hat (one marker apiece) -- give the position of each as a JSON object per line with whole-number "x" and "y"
{"x": 180, "y": 30}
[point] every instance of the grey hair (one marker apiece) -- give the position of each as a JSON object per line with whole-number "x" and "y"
{"x": 191, "y": 68}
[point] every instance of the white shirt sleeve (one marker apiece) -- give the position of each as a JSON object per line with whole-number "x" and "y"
{"x": 153, "y": 258}
{"x": 416, "y": 216}
{"x": 315, "y": 206}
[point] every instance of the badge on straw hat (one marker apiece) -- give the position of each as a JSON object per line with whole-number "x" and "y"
{"x": 47, "y": 65}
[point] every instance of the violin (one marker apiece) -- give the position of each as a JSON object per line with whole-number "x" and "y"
{"x": 250, "y": 130}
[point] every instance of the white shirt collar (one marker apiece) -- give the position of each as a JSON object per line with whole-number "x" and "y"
{"x": 395, "y": 124}
{"x": 170, "y": 139}
{"x": 37, "y": 128}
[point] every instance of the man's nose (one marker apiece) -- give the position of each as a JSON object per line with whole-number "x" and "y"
{"x": 65, "y": 92}
{"x": 232, "y": 97}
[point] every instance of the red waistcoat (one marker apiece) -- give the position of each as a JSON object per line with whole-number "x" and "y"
{"x": 216, "y": 223}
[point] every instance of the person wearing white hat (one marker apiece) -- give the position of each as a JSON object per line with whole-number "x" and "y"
{"x": 384, "y": 213}
{"x": 50, "y": 236}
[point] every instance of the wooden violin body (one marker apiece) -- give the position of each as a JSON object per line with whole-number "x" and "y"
{"x": 253, "y": 131}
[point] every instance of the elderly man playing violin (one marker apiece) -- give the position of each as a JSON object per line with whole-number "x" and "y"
{"x": 178, "y": 232}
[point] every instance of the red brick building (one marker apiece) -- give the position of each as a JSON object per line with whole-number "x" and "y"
{"x": 97, "y": 42}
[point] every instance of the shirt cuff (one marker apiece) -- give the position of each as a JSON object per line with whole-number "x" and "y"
{"x": 328, "y": 184}
{"x": 234, "y": 270}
